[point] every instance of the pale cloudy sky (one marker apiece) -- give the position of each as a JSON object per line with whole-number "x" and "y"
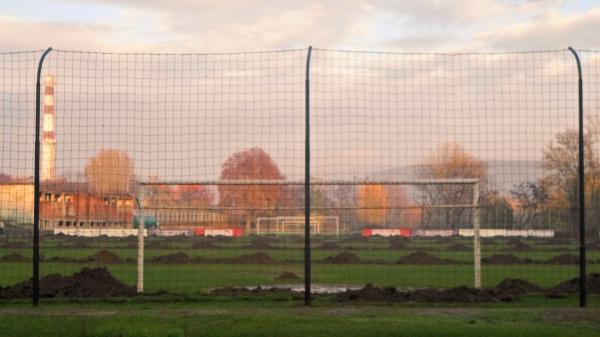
{"x": 209, "y": 25}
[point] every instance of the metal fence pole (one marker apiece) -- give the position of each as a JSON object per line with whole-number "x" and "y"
{"x": 140, "y": 257}
{"x": 476, "y": 236}
{"x": 36, "y": 187}
{"x": 307, "y": 262}
{"x": 581, "y": 180}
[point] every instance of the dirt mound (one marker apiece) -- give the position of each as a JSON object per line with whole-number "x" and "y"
{"x": 104, "y": 256}
{"x": 458, "y": 247}
{"x": 156, "y": 245}
{"x": 287, "y": 275}
{"x": 343, "y": 258}
{"x": 517, "y": 286}
{"x": 256, "y": 258}
{"x": 97, "y": 282}
{"x": 328, "y": 245}
{"x": 505, "y": 259}
{"x": 572, "y": 286}
{"x": 14, "y": 244}
{"x": 177, "y": 258}
{"x": 519, "y": 246}
{"x": 14, "y": 257}
{"x": 461, "y": 294}
{"x": 355, "y": 238}
{"x": 423, "y": 258}
{"x": 397, "y": 245}
{"x": 203, "y": 245}
{"x": 563, "y": 259}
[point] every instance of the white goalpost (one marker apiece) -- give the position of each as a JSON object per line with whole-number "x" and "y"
{"x": 285, "y": 225}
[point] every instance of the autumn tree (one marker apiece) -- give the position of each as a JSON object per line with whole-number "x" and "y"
{"x": 496, "y": 211}
{"x": 110, "y": 172}
{"x": 251, "y": 164}
{"x": 403, "y": 211}
{"x": 560, "y": 160}
{"x": 530, "y": 202}
{"x": 449, "y": 161}
{"x": 192, "y": 195}
{"x": 372, "y": 202}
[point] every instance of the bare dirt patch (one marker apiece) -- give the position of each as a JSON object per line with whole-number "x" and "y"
{"x": 287, "y": 275}
{"x": 571, "y": 286}
{"x": 423, "y": 258}
{"x": 176, "y": 258}
{"x": 517, "y": 287}
{"x": 343, "y": 258}
{"x": 461, "y": 294}
{"x": 14, "y": 257}
{"x": 97, "y": 282}
{"x": 328, "y": 245}
{"x": 103, "y": 256}
{"x": 563, "y": 259}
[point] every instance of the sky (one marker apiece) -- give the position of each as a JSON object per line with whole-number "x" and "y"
{"x": 255, "y": 25}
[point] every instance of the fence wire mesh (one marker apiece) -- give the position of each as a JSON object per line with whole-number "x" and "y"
{"x": 409, "y": 153}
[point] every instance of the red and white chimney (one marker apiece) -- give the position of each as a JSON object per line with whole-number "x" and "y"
{"x": 49, "y": 138}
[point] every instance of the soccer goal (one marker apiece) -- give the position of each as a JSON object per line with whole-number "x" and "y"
{"x": 294, "y": 225}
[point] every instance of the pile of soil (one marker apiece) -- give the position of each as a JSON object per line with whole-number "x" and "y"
{"x": 572, "y": 286}
{"x": 235, "y": 291}
{"x": 203, "y": 245}
{"x": 563, "y": 259}
{"x": 461, "y": 294}
{"x": 177, "y": 258}
{"x": 356, "y": 238}
{"x": 97, "y": 282}
{"x": 60, "y": 259}
{"x": 343, "y": 258}
{"x": 256, "y": 258}
{"x": 458, "y": 247}
{"x": 14, "y": 244}
{"x": 104, "y": 256}
{"x": 519, "y": 246}
{"x": 328, "y": 245}
{"x": 423, "y": 258}
{"x": 517, "y": 287}
{"x": 505, "y": 259}
{"x": 287, "y": 275}
{"x": 397, "y": 245}
{"x": 156, "y": 245}
{"x": 14, "y": 257}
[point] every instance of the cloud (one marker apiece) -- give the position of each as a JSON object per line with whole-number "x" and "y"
{"x": 548, "y": 32}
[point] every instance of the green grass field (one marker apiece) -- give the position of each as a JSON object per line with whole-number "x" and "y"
{"x": 262, "y": 315}
{"x": 288, "y": 255}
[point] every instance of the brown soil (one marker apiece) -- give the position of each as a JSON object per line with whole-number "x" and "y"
{"x": 563, "y": 259}
{"x": 329, "y": 246}
{"x": 287, "y": 275}
{"x": 14, "y": 244}
{"x": 97, "y": 282}
{"x": 423, "y": 258}
{"x": 14, "y": 257}
{"x": 104, "y": 256}
{"x": 234, "y": 291}
{"x": 258, "y": 244}
{"x": 397, "y": 245}
{"x": 519, "y": 246}
{"x": 203, "y": 245}
{"x": 343, "y": 258}
{"x": 517, "y": 287}
{"x": 356, "y": 238}
{"x": 572, "y": 286}
{"x": 458, "y": 295}
{"x": 256, "y": 258}
{"x": 505, "y": 259}
{"x": 458, "y": 247}
{"x": 177, "y": 258}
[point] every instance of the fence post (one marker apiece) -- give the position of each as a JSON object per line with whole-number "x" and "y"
{"x": 307, "y": 262}
{"x": 581, "y": 180}
{"x": 36, "y": 187}
{"x": 140, "y": 257}
{"x": 476, "y": 236}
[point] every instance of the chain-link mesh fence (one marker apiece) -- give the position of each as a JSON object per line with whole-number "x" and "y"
{"x": 419, "y": 163}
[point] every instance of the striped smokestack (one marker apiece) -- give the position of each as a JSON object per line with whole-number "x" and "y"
{"x": 48, "y": 138}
